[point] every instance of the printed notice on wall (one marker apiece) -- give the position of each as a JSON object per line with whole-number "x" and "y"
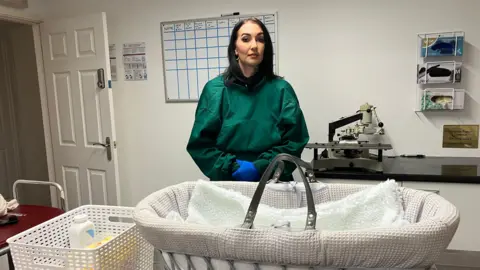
{"x": 134, "y": 61}
{"x": 113, "y": 61}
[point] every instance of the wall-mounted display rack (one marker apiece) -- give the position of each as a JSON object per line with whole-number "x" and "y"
{"x": 439, "y": 71}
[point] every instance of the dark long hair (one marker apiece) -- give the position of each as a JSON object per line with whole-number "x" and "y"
{"x": 266, "y": 66}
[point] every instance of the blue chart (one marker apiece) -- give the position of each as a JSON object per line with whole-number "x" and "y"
{"x": 195, "y": 51}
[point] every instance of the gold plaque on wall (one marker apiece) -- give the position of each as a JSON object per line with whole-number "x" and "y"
{"x": 460, "y": 136}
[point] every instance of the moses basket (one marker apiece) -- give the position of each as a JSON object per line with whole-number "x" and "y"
{"x": 433, "y": 222}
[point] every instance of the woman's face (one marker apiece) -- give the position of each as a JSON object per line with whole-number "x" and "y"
{"x": 250, "y": 44}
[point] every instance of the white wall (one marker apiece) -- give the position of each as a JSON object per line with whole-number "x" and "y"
{"x": 34, "y": 11}
{"x": 337, "y": 55}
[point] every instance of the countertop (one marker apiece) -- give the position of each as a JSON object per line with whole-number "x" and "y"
{"x": 428, "y": 169}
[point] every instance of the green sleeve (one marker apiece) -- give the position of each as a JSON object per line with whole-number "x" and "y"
{"x": 214, "y": 163}
{"x": 294, "y": 134}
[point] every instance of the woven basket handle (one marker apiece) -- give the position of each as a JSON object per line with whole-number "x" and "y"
{"x": 257, "y": 196}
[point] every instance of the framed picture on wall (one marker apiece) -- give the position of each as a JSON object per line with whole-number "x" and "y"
{"x": 14, "y": 3}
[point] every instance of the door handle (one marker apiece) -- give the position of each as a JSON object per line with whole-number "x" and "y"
{"x": 101, "y": 78}
{"x": 107, "y": 146}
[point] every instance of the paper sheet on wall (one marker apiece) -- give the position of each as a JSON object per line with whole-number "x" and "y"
{"x": 113, "y": 61}
{"x": 134, "y": 61}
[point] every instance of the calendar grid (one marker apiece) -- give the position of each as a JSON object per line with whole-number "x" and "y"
{"x": 186, "y": 61}
{"x": 196, "y": 58}
{"x": 218, "y": 49}
{"x": 195, "y": 51}
{"x": 176, "y": 59}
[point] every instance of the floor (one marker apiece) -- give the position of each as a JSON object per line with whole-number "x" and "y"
{"x": 3, "y": 262}
{"x": 459, "y": 260}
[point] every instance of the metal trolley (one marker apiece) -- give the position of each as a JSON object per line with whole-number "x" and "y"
{"x": 29, "y": 215}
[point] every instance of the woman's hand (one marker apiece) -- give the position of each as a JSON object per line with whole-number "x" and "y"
{"x": 246, "y": 172}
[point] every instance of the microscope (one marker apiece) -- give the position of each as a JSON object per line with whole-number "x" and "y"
{"x": 352, "y": 150}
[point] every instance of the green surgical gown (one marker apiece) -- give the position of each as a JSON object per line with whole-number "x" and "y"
{"x": 255, "y": 125}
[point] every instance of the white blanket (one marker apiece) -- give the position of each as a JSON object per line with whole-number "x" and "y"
{"x": 6, "y": 206}
{"x": 377, "y": 206}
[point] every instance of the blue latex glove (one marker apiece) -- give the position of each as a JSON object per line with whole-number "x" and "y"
{"x": 246, "y": 171}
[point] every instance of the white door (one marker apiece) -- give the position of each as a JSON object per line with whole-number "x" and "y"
{"x": 75, "y": 52}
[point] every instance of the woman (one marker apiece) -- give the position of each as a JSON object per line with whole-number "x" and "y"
{"x": 248, "y": 115}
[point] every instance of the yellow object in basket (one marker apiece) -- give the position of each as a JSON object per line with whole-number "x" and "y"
{"x": 99, "y": 243}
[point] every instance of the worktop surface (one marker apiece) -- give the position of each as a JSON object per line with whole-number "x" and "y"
{"x": 427, "y": 169}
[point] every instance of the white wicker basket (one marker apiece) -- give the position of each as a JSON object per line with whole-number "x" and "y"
{"x": 46, "y": 246}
